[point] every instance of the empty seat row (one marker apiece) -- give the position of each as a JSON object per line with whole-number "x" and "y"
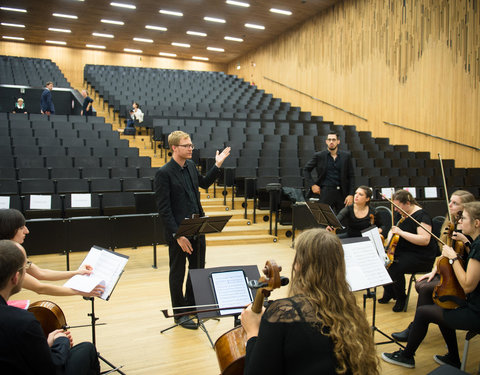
{"x": 75, "y": 162}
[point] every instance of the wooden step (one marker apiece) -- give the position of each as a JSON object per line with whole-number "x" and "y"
{"x": 239, "y": 240}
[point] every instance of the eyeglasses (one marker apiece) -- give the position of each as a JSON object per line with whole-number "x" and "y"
{"x": 26, "y": 266}
{"x": 190, "y": 145}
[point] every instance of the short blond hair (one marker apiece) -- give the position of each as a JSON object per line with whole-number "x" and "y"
{"x": 175, "y": 137}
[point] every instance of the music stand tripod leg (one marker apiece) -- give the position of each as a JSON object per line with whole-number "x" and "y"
{"x": 204, "y": 329}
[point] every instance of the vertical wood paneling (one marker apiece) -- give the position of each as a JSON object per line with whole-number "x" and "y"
{"x": 414, "y": 63}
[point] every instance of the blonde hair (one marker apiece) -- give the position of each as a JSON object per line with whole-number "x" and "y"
{"x": 465, "y": 197}
{"x": 473, "y": 209}
{"x": 319, "y": 274}
{"x": 175, "y": 137}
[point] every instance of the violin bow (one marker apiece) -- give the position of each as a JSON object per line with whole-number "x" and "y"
{"x": 416, "y": 221}
{"x": 445, "y": 187}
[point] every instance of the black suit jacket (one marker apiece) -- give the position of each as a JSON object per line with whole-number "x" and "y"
{"x": 23, "y": 346}
{"x": 319, "y": 162}
{"x": 171, "y": 194}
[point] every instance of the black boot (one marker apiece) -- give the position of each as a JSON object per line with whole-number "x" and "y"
{"x": 385, "y": 299}
{"x": 402, "y": 336}
{"x": 400, "y": 304}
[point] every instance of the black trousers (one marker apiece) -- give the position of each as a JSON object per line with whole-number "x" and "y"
{"x": 177, "y": 262}
{"x": 332, "y": 196}
{"x": 82, "y": 360}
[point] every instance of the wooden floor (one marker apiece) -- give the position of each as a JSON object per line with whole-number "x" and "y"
{"x": 134, "y": 320}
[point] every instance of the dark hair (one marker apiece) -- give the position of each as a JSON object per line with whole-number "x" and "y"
{"x": 11, "y": 260}
{"x": 404, "y": 196}
{"x": 11, "y": 220}
{"x": 331, "y": 132}
{"x": 49, "y": 83}
{"x": 368, "y": 192}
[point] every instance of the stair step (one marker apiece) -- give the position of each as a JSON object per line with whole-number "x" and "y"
{"x": 238, "y": 240}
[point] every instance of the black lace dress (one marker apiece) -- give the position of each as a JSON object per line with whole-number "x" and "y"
{"x": 290, "y": 341}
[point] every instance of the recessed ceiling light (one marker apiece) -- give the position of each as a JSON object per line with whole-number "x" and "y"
{"x": 197, "y": 33}
{"x": 12, "y": 24}
{"x": 133, "y": 50}
{"x": 143, "y": 40}
{"x": 238, "y": 3}
{"x": 56, "y": 42}
{"x": 184, "y": 45}
{"x": 13, "y": 37}
{"x": 167, "y": 54}
{"x": 71, "y": 16}
{"x": 60, "y": 30}
{"x": 113, "y": 22}
{"x": 14, "y": 9}
{"x": 159, "y": 28}
{"x": 213, "y": 19}
{"x": 215, "y": 49}
{"x": 95, "y": 46}
{"x": 280, "y": 11}
{"x": 200, "y": 58}
{"x": 171, "y": 12}
{"x": 101, "y": 35}
{"x": 233, "y": 39}
{"x": 123, "y": 5}
{"x": 253, "y": 26}
{"x": 238, "y": 67}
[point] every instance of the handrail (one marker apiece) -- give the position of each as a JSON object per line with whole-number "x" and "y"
{"x": 431, "y": 135}
{"x": 318, "y": 100}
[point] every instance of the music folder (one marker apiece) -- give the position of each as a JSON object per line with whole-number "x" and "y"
{"x": 202, "y": 225}
{"x": 324, "y": 215}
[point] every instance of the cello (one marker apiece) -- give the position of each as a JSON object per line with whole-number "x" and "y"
{"x": 230, "y": 347}
{"x": 50, "y": 316}
{"x": 448, "y": 291}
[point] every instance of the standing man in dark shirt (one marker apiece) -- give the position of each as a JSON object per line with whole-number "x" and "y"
{"x": 87, "y": 107}
{"x": 46, "y": 103}
{"x": 23, "y": 346}
{"x": 335, "y": 182}
{"x": 177, "y": 197}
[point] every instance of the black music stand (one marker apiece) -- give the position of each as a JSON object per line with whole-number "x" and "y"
{"x": 202, "y": 225}
{"x": 204, "y": 295}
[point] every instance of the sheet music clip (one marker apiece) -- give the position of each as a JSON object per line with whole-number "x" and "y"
{"x": 202, "y": 225}
{"x": 324, "y": 214}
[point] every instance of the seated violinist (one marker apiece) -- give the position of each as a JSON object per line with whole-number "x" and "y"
{"x": 426, "y": 283}
{"x": 318, "y": 329}
{"x": 416, "y": 248}
{"x": 466, "y": 316}
{"x": 13, "y": 227}
{"x": 24, "y": 349}
{"x": 359, "y": 215}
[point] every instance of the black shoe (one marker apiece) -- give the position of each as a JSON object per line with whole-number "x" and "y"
{"x": 446, "y": 360}
{"x": 402, "y": 336}
{"x": 399, "y": 305}
{"x": 385, "y": 299}
{"x": 186, "y": 322}
{"x": 397, "y": 358}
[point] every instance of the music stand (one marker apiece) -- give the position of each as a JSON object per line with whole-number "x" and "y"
{"x": 202, "y": 225}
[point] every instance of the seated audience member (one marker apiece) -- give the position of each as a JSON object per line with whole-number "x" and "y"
{"x": 136, "y": 115}
{"x": 19, "y": 106}
{"x": 24, "y": 349}
{"x": 466, "y": 316}
{"x": 12, "y": 227}
{"x": 318, "y": 329}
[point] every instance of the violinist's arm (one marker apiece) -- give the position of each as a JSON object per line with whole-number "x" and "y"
{"x": 31, "y": 283}
{"x": 468, "y": 278}
{"x": 421, "y": 238}
{"x": 51, "y": 275}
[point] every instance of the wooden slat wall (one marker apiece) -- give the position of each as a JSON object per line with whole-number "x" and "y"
{"x": 414, "y": 63}
{"x": 72, "y": 61}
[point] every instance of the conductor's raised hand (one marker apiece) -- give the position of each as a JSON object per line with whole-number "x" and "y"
{"x": 185, "y": 244}
{"x": 221, "y": 156}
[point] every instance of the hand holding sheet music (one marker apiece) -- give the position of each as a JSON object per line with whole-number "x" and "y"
{"x": 107, "y": 269}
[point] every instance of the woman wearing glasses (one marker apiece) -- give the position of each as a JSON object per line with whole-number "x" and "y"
{"x": 12, "y": 227}
{"x": 465, "y": 317}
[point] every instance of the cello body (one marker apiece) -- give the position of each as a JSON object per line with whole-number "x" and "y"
{"x": 49, "y": 315}
{"x": 230, "y": 350}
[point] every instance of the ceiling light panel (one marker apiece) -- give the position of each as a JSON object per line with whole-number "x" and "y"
{"x": 167, "y": 54}
{"x": 113, "y": 22}
{"x": 95, "y": 46}
{"x": 56, "y": 42}
{"x": 281, "y": 11}
{"x": 143, "y": 40}
{"x": 233, "y": 39}
{"x": 61, "y": 15}
{"x": 238, "y": 3}
{"x": 123, "y": 5}
{"x": 216, "y": 49}
{"x": 8, "y": 9}
{"x": 13, "y": 37}
{"x": 213, "y": 19}
{"x": 171, "y": 12}
{"x": 254, "y": 26}
{"x": 132, "y": 50}
{"x": 200, "y": 58}
{"x": 158, "y": 28}
{"x": 183, "y": 45}
{"x": 101, "y": 35}
{"x": 12, "y": 24}
{"x": 196, "y": 33}
{"x": 59, "y": 30}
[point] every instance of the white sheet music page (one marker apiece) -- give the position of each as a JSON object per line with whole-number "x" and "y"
{"x": 231, "y": 290}
{"x": 107, "y": 269}
{"x": 364, "y": 268}
{"x": 374, "y": 236}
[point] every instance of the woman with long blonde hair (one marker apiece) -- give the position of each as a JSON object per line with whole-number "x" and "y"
{"x": 318, "y": 329}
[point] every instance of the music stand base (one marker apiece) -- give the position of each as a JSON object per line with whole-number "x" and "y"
{"x": 200, "y": 325}
{"x": 373, "y": 295}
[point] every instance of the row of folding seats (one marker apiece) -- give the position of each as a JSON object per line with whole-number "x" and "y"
{"x": 53, "y": 125}
{"x": 71, "y": 185}
{"x": 75, "y": 162}
{"x": 53, "y": 118}
{"x": 34, "y": 151}
{"x": 46, "y": 141}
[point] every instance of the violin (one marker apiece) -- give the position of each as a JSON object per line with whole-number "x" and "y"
{"x": 50, "y": 316}
{"x": 391, "y": 244}
{"x": 230, "y": 347}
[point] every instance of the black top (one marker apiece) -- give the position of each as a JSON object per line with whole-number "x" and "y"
{"x": 473, "y": 298}
{"x": 422, "y": 252}
{"x": 19, "y": 110}
{"x": 85, "y": 105}
{"x": 23, "y": 346}
{"x": 290, "y": 341}
{"x": 355, "y": 225}
{"x": 332, "y": 177}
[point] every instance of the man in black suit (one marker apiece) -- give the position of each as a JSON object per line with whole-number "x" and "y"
{"x": 177, "y": 197}
{"x": 23, "y": 346}
{"x": 335, "y": 182}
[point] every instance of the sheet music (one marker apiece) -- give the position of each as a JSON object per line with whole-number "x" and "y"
{"x": 230, "y": 290}
{"x": 4, "y": 202}
{"x": 107, "y": 269}
{"x": 40, "y": 202}
{"x": 364, "y": 268}
{"x": 374, "y": 236}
